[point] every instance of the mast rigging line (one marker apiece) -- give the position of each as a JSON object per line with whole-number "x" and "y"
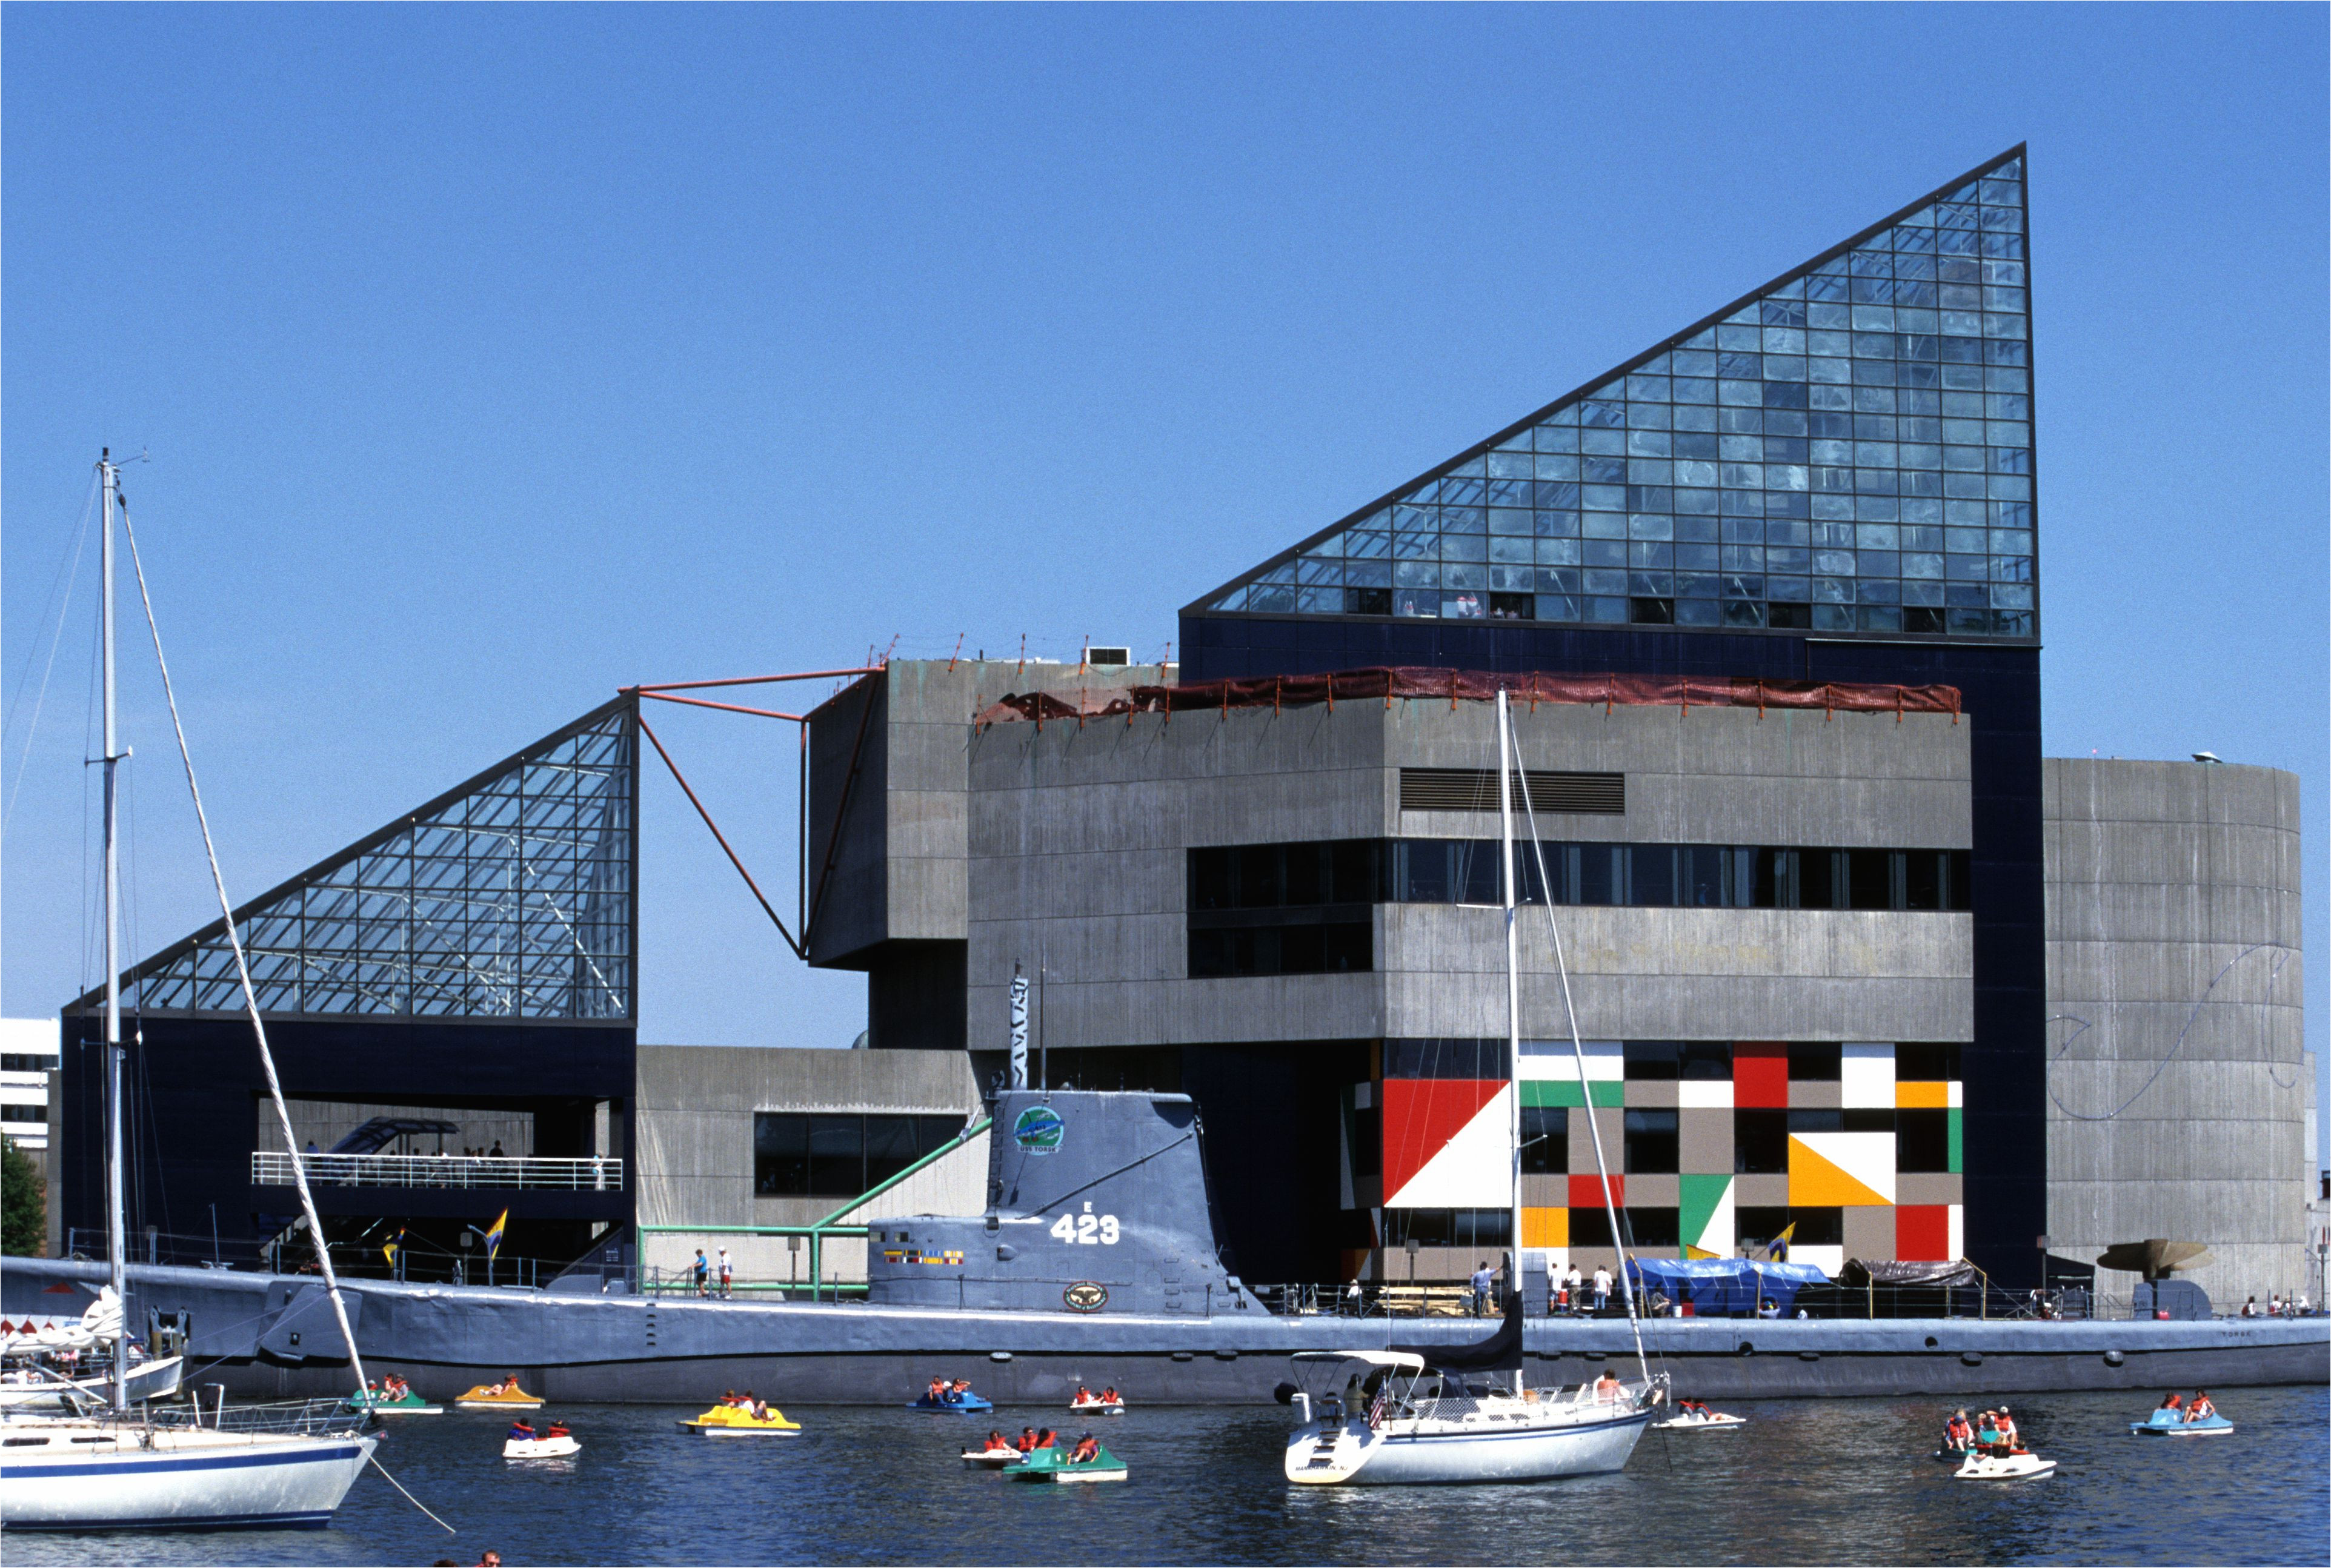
{"x": 243, "y": 973}
{"x": 1577, "y": 1047}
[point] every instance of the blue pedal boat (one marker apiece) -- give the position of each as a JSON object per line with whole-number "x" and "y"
{"x": 954, "y": 1404}
{"x": 2170, "y": 1423}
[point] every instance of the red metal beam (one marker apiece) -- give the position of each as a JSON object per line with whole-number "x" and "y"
{"x": 756, "y": 680}
{"x": 799, "y": 952}
{"x": 723, "y": 707}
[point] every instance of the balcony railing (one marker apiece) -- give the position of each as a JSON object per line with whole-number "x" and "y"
{"x": 599, "y": 1175}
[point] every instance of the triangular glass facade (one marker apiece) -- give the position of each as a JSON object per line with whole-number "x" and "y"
{"x": 511, "y": 897}
{"x": 1847, "y": 450}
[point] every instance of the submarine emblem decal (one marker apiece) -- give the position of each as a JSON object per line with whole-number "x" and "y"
{"x": 1037, "y": 1130}
{"x": 1085, "y": 1296}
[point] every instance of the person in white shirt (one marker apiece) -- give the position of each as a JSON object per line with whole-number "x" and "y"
{"x": 1601, "y": 1288}
{"x": 728, "y": 1272}
{"x": 1574, "y": 1282}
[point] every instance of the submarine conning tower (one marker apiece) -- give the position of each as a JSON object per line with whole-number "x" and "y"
{"x": 1097, "y": 1202}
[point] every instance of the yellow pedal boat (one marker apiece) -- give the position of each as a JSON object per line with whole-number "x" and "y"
{"x": 728, "y": 1420}
{"x": 494, "y": 1396}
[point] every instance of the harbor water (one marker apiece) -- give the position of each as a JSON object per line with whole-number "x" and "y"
{"x": 1806, "y": 1481}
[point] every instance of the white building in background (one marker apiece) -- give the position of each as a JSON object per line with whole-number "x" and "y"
{"x": 28, "y": 1055}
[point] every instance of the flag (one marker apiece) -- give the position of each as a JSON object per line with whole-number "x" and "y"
{"x": 388, "y": 1249}
{"x": 494, "y": 1236}
{"x": 1019, "y": 1028}
{"x": 1777, "y": 1248}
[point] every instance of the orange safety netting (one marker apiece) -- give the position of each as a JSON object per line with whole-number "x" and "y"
{"x": 1453, "y": 686}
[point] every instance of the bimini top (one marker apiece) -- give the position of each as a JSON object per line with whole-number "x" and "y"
{"x": 1397, "y": 1360}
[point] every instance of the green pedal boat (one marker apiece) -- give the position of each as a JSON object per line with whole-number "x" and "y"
{"x": 406, "y": 1404}
{"x": 1054, "y": 1465}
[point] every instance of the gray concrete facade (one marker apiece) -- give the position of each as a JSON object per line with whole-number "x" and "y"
{"x": 2178, "y": 1088}
{"x": 694, "y": 1126}
{"x": 1076, "y": 839}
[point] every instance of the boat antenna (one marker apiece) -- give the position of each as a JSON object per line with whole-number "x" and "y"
{"x": 117, "y": 1214}
{"x": 1513, "y": 995}
{"x": 242, "y": 968}
{"x": 1578, "y": 1050}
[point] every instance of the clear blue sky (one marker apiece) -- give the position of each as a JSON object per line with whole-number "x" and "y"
{"x": 491, "y": 357}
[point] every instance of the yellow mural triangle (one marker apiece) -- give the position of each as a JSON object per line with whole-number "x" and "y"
{"x": 1690, "y": 1251}
{"x": 1816, "y": 1182}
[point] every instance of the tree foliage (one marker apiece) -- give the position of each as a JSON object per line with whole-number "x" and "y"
{"x": 24, "y": 1203}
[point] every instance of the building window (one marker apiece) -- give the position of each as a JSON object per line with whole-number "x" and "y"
{"x": 22, "y": 1113}
{"x": 1678, "y": 876}
{"x": 1458, "y": 1228}
{"x": 1815, "y": 1061}
{"x": 26, "y": 1061}
{"x": 1760, "y": 1142}
{"x": 1652, "y": 1145}
{"x": 1922, "y": 1141}
{"x": 1653, "y": 1227}
{"x": 798, "y": 1155}
{"x": 1546, "y": 1140}
{"x": 1303, "y": 908}
{"x": 1917, "y": 1061}
{"x": 1477, "y": 1060}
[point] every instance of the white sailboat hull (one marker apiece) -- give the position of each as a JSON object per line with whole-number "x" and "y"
{"x": 1431, "y": 1453}
{"x": 193, "y": 1480}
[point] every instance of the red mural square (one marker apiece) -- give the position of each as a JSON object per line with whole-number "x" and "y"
{"x": 1922, "y": 1232}
{"x": 1760, "y": 1076}
{"x": 1586, "y": 1191}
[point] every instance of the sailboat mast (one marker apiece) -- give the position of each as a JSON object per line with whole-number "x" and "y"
{"x": 1512, "y": 992}
{"x": 117, "y": 1207}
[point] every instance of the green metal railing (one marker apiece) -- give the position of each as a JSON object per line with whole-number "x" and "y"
{"x": 817, "y": 1230}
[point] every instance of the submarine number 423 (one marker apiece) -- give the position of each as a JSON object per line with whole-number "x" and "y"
{"x": 1091, "y": 1229}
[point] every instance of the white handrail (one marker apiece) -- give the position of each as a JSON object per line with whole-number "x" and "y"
{"x": 275, "y": 1168}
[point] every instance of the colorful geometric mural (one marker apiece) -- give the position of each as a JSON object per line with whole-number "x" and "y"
{"x": 1852, "y": 1148}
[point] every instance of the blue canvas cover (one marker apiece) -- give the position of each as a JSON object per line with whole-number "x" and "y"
{"x": 1724, "y": 1287}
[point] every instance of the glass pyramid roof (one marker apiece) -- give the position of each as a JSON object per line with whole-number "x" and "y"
{"x": 1846, "y": 450}
{"x": 512, "y": 897}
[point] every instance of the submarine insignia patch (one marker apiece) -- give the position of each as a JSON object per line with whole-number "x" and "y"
{"x": 1037, "y": 1130}
{"x": 1085, "y": 1296}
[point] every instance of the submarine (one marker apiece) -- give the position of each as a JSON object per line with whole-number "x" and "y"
{"x": 1097, "y": 1259}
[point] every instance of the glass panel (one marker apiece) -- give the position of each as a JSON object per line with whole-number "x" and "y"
{"x": 1880, "y": 376}
{"x": 512, "y": 900}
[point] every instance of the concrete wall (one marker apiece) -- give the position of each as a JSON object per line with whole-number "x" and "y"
{"x": 694, "y": 1127}
{"x": 2177, "y": 1086}
{"x": 1076, "y": 840}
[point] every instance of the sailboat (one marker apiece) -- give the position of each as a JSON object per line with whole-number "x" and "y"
{"x": 116, "y": 1469}
{"x": 1395, "y": 1416}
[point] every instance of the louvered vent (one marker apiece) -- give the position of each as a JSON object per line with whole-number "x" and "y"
{"x": 1475, "y": 789}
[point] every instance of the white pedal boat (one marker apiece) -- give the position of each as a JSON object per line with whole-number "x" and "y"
{"x": 1098, "y": 1407}
{"x": 2014, "y": 1467}
{"x": 1714, "y": 1420}
{"x": 562, "y": 1446}
{"x": 992, "y": 1459}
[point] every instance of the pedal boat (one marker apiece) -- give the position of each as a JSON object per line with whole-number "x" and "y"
{"x": 2168, "y": 1424}
{"x": 728, "y": 1420}
{"x": 563, "y": 1446}
{"x": 2015, "y": 1467}
{"x": 962, "y": 1405}
{"x": 1098, "y": 1407}
{"x": 408, "y": 1404}
{"x": 992, "y": 1459}
{"x": 1714, "y": 1420}
{"x": 1053, "y": 1464}
{"x": 484, "y": 1398}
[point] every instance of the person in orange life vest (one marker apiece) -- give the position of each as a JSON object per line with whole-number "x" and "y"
{"x": 1086, "y": 1450}
{"x": 1027, "y": 1443}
